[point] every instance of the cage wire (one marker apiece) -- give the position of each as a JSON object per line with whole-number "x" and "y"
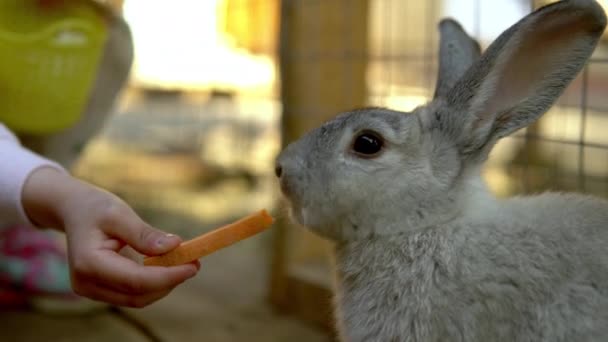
{"x": 566, "y": 150}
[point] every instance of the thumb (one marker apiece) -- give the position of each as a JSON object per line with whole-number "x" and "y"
{"x": 142, "y": 237}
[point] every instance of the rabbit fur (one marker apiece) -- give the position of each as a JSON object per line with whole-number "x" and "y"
{"x": 423, "y": 250}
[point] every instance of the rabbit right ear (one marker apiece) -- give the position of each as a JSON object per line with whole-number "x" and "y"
{"x": 521, "y": 75}
{"x": 457, "y": 51}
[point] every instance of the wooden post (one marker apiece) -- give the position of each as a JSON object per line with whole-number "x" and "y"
{"x": 323, "y": 48}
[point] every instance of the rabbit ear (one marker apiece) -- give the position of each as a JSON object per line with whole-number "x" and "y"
{"x": 521, "y": 74}
{"x": 457, "y": 51}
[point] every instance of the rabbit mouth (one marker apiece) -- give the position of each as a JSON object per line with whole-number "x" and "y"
{"x": 295, "y": 209}
{"x": 285, "y": 189}
{"x": 302, "y": 216}
{"x": 289, "y": 190}
{"x": 297, "y": 214}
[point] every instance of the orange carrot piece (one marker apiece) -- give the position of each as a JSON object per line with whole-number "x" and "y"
{"x": 212, "y": 241}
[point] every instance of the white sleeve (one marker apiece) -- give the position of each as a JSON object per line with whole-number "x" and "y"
{"x": 16, "y": 164}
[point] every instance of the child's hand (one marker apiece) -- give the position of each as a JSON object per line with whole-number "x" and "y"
{"x": 98, "y": 225}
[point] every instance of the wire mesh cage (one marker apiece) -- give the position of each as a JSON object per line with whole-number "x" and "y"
{"x": 339, "y": 55}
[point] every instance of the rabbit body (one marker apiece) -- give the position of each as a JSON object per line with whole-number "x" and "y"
{"x": 423, "y": 251}
{"x": 520, "y": 272}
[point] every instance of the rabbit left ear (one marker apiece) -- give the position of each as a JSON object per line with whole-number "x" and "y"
{"x": 521, "y": 74}
{"x": 457, "y": 51}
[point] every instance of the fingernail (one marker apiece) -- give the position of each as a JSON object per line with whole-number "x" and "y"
{"x": 163, "y": 241}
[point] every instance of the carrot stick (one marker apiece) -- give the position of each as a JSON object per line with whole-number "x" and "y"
{"x": 212, "y": 241}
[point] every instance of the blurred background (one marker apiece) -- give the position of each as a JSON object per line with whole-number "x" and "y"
{"x": 215, "y": 88}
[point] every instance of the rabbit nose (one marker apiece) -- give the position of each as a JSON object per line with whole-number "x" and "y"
{"x": 278, "y": 170}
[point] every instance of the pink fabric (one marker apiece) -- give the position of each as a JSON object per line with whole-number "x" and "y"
{"x": 16, "y": 164}
{"x": 33, "y": 263}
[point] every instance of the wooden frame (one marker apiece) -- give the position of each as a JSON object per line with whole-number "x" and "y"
{"x": 314, "y": 86}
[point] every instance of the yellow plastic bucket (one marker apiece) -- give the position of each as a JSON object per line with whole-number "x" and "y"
{"x": 49, "y": 55}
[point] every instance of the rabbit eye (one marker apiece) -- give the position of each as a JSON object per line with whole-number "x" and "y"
{"x": 368, "y": 144}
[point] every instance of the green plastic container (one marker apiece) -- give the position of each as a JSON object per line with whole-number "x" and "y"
{"x": 49, "y": 56}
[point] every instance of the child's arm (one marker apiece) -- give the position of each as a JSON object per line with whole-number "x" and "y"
{"x": 97, "y": 225}
{"x": 16, "y": 164}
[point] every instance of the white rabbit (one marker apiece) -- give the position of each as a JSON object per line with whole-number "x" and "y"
{"x": 423, "y": 251}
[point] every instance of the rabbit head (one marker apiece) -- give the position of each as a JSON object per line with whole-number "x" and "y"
{"x": 379, "y": 171}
